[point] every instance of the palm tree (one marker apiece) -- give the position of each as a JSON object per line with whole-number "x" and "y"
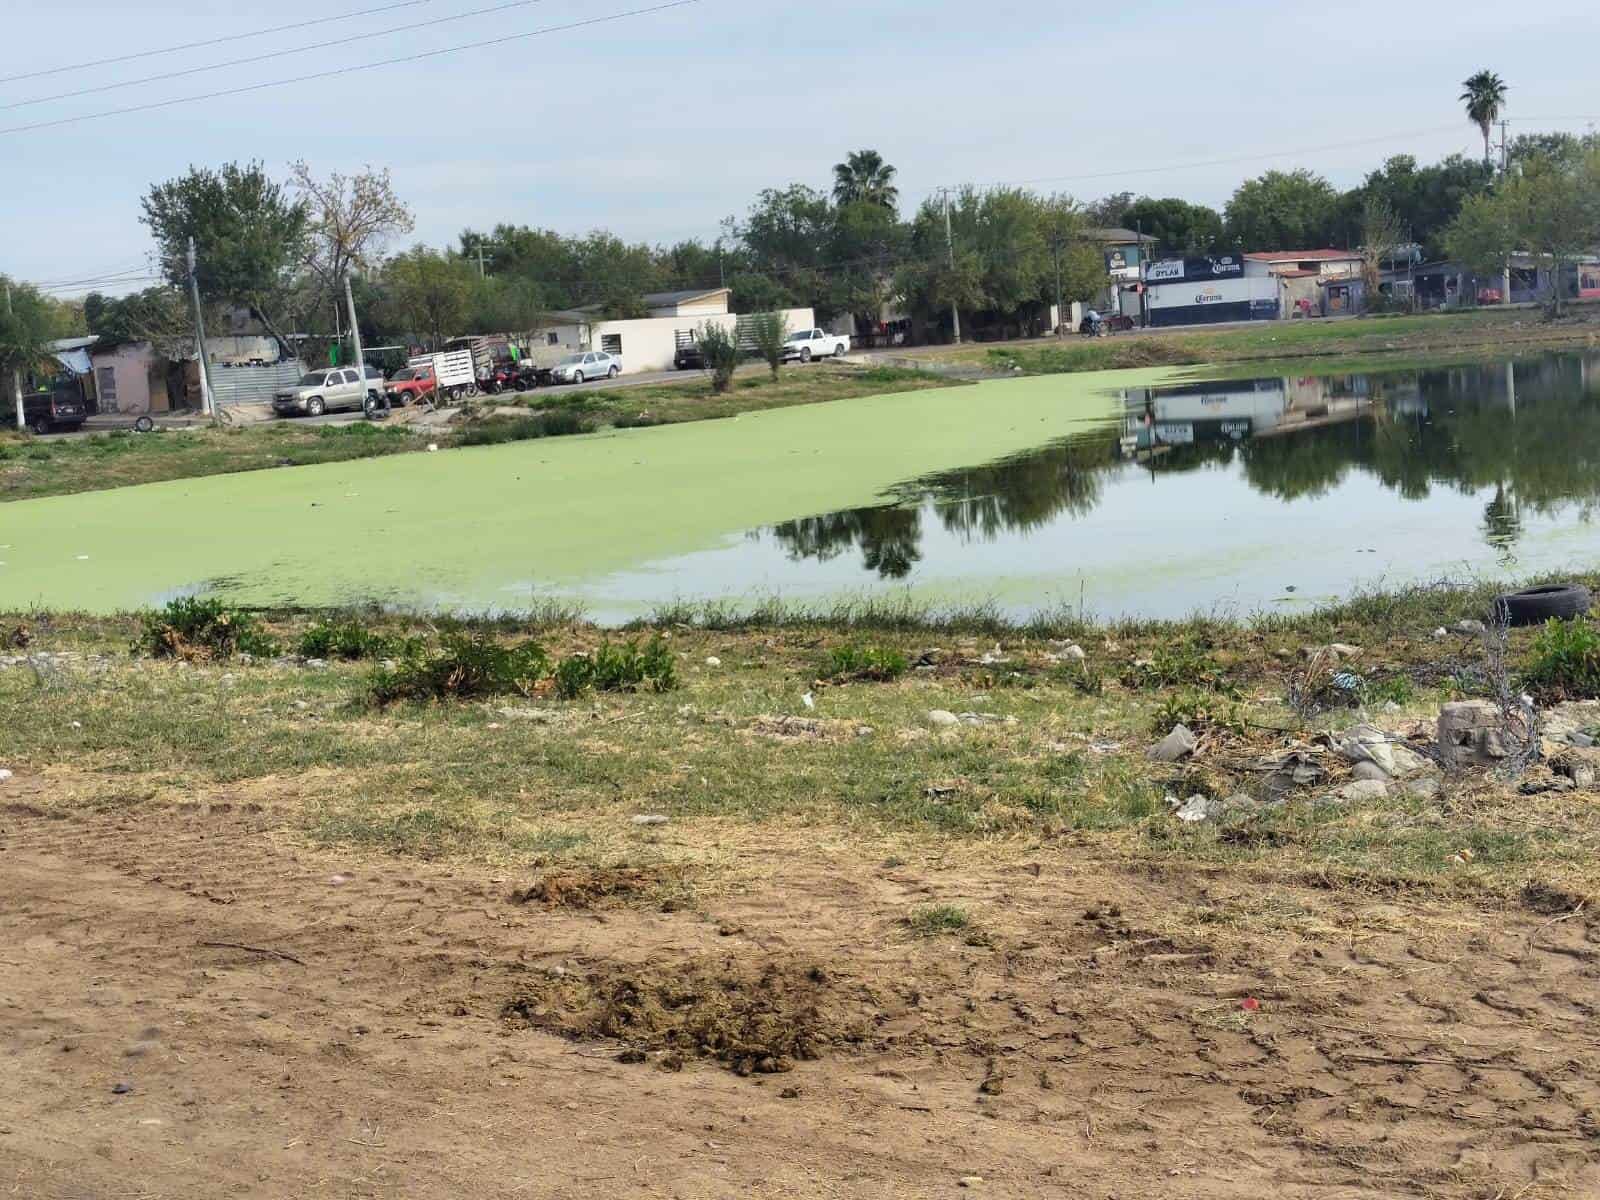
{"x": 1484, "y": 97}
{"x": 864, "y": 176}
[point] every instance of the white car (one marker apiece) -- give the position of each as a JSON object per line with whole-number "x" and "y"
{"x": 591, "y": 364}
{"x": 813, "y": 343}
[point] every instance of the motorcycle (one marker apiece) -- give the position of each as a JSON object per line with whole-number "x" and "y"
{"x": 503, "y": 378}
{"x": 1093, "y": 327}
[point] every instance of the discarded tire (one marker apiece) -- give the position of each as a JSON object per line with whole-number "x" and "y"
{"x": 1536, "y": 605}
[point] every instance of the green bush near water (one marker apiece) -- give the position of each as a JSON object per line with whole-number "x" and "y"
{"x": 865, "y": 662}
{"x": 1565, "y": 660}
{"x": 350, "y": 640}
{"x": 618, "y": 668}
{"x": 192, "y": 627}
{"x": 466, "y": 667}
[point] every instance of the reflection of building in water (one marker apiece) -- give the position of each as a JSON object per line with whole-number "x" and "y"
{"x": 1233, "y": 410}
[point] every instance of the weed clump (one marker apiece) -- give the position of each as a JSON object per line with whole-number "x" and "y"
{"x": 1565, "y": 660}
{"x": 557, "y": 423}
{"x": 350, "y": 640}
{"x": 618, "y": 668}
{"x": 1201, "y": 712}
{"x": 879, "y": 663}
{"x": 193, "y": 628}
{"x": 1184, "y": 663}
{"x": 466, "y": 666}
{"x": 937, "y": 919}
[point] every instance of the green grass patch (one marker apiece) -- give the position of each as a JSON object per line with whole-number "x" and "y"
{"x": 618, "y": 667}
{"x": 865, "y": 662}
{"x": 1564, "y": 661}
{"x": 938, "y": 919}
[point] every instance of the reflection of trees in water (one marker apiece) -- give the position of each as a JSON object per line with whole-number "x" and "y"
{"x": 889, "y": 537}
{"x": 1458, "y": 427}
{"x": 1015, "y": 494}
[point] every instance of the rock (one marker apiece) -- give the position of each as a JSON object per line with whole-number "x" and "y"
{"x": 808, "y": 700}
{"x": 1469, "y": 628}
{"x": 713, "y": 661}
{"x": 1580, "y": 739}
{"x": 1343, "y": 650}
{"x": 970, "y": 1181}
{"x": 942, "y": 717}
{"x": 650, "y": 819}
{"x": 5, "y": 774}
{"x": 1198, "y": 808}
{"x": 1368, "y": 743}
{"x": 121, "y": 1089}
{"x": 1367, "y": 769}
{"x": 526, "y": 714}
{"x": 1471, "y": 734}
{"x": 1441, "y": 632}
{"x": 1178, "y": 744}
{"x": 1360, "y": 791}
{"x": 1074, "y": 652}
{"x": 1421, "y": 787}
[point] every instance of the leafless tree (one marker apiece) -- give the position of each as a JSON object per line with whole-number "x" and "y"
{"x": 353, "y": 218}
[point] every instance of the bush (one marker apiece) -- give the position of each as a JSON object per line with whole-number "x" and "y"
{"x": 465, "y": 667}
{"x": 351, "y": 640}
{"x": 937, "y": 919}
{"x": 559, "y": 423}
{"x": 865, "y": 662}
{"x": 720, "y": 350}
{"x": 1183, "y": 663}
{"x": 191, "y": 627}
{"x": 1566, "y": 660}
{"x": 770, "y": 331}
{"x": 618, "y": 668}
{"x": 1200, "y": 712}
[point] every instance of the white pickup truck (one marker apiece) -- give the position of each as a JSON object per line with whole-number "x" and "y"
{"x": 813, "y": 343}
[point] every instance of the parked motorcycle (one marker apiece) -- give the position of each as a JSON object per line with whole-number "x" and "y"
{"x": 503, "y": 378}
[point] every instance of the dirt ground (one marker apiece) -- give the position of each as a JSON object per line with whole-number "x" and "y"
{"x": 195, "y": 1004}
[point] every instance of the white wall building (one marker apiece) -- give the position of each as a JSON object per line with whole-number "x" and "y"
{"x": 648, "y": 343}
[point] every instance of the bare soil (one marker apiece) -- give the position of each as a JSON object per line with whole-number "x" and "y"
{"x": 195, "y": 1004}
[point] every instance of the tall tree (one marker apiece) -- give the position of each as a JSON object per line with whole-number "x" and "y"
{"x": 1484, "y": 97}
{"x": 26, "y": 326}
{"x": 1109, "y": 212}
{"x": 1381, "y": 235}
{"x": 426, "y": 293}
{"x": 1282, "y": 210}
{"x": 864, "y": 178}
{"x": 248, "y": 232}
{"x": 1179, "y": 227}
{"x": 352, "y": 218}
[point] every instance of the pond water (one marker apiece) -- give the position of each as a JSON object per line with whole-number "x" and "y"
{"x": 1234, "y": 495}
{"x": 1137, "y": 492}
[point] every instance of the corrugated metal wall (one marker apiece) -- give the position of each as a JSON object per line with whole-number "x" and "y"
{"x": 252, "y": 385}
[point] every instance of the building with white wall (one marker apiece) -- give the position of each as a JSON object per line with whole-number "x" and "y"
{"x": 648, "y": 343}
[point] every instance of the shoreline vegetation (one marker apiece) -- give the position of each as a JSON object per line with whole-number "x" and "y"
{"x": 911, "y": 728}
{"x": 31, "y": 468}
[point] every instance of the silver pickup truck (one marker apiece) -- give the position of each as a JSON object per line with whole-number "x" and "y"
{"x": 326, "y": 390}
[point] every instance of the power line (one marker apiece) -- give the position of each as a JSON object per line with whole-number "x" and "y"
{"x": 241, "y": 62}
{"x": 232, "y": 37}
{"x": 346, "y": 71}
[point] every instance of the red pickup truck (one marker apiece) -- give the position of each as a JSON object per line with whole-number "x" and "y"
{"x": 410, "y": 384}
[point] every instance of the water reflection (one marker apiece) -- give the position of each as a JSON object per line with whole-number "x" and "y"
{"x": 1527, "y": 433}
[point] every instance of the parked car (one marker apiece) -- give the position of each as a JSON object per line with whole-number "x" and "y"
{"x": 591, "y": 364}
{"x": 328, "y": 389}
{"x": 60, "y": 409}
{"x": 814, "y": 343}
{"x": 689, "y": 357}
{"x": 408, "y": 385}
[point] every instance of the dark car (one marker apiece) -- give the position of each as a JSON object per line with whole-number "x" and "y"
{"x": 61, "y": 408}
{"x": 689, "y": 357}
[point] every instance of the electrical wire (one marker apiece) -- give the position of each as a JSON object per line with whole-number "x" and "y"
{"x": 217, "y": 41}
{"x": 362, "y": 71}
{"x": 258, "y": 58}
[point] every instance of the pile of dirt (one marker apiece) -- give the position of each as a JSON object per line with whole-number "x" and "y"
{"x": 756, "y": 1017}
{"x": 585, "y": 888}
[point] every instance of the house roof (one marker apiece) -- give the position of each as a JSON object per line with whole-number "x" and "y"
{"x": 1296, "y": 274}
{"x": 661, "y": 299}
{"x": 75, "y": 343}
{"x": 1301, "y": 255}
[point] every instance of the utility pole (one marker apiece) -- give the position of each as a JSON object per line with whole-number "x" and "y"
{"x": 16, "y": 373}
{"x": 950, "y": 244}
{"x": 207, "y": 401}
{"x": 482, "y": 272}
{"x": 1061, "y": 316}
{"x": 355, "y": 337}
{"x": 1505, "y": 152}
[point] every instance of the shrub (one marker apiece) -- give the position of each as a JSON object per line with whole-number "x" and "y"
{"x": 1566, "y": 659}
{"x": 618, "y": 668}
{"x": 191, "y": 627}
{"x": 351, "y": 640}
{"x": 1200, "y": 712}
{"x": 1184, "y": 663}
{"x": 466, "y": 666}
{"x": 937, "y": 919}
{"x": 558, "y": 423}
{"x": 865, "y": 662}
{"x": 770, "y": 330}
{"x": 720, "y": 350}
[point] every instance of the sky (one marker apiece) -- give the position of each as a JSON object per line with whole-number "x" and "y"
{"x": 659, "y": 125}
